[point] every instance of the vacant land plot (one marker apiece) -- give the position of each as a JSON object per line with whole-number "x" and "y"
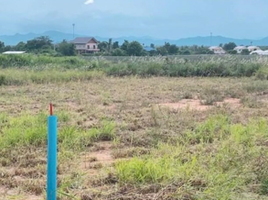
{"x": 137, "y": 138}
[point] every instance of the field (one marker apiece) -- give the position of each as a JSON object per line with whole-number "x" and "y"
{"x": 134, "y": 130}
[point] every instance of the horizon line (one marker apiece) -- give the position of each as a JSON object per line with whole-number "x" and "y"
{"x": 145, "y": 36}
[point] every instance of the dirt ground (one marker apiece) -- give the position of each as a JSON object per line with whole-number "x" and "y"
{"x": 137, "y": 106}
{"x": 195, "y": 104}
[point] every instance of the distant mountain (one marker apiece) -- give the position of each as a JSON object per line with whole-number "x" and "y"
{"x": 206, "y": 41}
{"x": 54, "y": 35}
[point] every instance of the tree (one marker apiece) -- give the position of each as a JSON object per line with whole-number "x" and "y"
{"x": 118, "y": 52}
{"x": 66, "y": 49}
{"x": 39, "y": 44}
{"x": 21, "y": 46}
{"x": 116, "y": 45}
{"x": 152, "y": 45}
{"x": 103, "y": 46}
{"x": 162, "y": 51}
{"x": 185, "y": 52}
{"x": 124, "y": 46}
{"x": 110, "y": 44}
{"x": 8, "y": 48}
{"x": 2, "y": 46}
{"x": 201, "y": 50}
{"x": 229, "y": 46}
{"x": 167, "y": 46}
{"x": 134, "y": 49}
{"x": 173, "y": 49}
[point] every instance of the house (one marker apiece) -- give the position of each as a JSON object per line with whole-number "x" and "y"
{"x": 259, "y": 52}
{"x": 253, "y": 48}
{"x": 85, "y": 44}
{"x": 217, "y": 50}
{"x": 13, "y": 52}
{"x": 239, "y": 49}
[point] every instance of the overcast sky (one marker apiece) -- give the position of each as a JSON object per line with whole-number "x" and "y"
{"x": 169, "y": 19}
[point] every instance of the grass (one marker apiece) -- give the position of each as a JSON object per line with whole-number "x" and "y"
{"x": 38, "y": 67}
{"x": 30, "y": 130}
{"x": 220, "y": 170}
{"x": 21, "y": 76}
{"x": 115, "y": 142}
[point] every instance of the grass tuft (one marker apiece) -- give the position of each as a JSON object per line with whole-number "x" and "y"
{"x": 226, "y": 166}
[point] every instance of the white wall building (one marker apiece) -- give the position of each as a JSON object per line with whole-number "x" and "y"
{"x": 217, "y": 50}
{"x": 239, "y": 49}
{"x": 13, "y": 52}
{"x": 253, "y": 48}
{"x": 259, "y": 52}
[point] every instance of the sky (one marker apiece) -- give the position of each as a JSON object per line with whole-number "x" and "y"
{"x": 165, "y": 19}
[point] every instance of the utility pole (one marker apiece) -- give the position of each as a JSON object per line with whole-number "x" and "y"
{"x": 73, "y": 30}
{"x": 210, "y": 38}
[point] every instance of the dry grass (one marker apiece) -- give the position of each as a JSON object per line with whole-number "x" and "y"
{"x": 117, "y": 119}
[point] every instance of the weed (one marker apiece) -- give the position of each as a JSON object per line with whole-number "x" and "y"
{"x": 220, "y": 153}
{"x": 251, "y": 102}
{"x": 256, "y": 86}
{"x": 223, "y": 170}
{"x": 229, "y": 66}
{"x": 211, "y": 95}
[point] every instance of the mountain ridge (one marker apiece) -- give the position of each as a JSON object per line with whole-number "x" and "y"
{"x": 58, "y": 36}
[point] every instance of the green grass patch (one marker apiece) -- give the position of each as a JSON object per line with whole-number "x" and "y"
{"x": 31, "y": 130}
{"x": 217, "y": 160}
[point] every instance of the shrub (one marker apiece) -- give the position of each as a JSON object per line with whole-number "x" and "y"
{"x": 2, "y": 80}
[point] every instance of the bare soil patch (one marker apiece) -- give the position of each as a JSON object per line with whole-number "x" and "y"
{"x": 99, "y": 157}
{"x": 16, "y": 194}
{"x": 195, "y": 104}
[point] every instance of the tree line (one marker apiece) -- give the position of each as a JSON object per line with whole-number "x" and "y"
{"x": 44, "y": 45}
{"x": 41, "y": 45}
{"x": 137, "y": 49}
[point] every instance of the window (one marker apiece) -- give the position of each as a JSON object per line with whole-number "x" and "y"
{"x": 88, "y": 46}
{"x": 94, "y": 46}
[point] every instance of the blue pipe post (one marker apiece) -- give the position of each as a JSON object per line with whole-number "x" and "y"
{"x": 52, "y": 157}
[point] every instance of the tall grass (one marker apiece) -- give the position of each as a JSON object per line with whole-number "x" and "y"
{"x": 210, "y": 66}
{"x": 40, "y": 61}
{"x": 227, "y": 66}
{"x": 22, "y": 76}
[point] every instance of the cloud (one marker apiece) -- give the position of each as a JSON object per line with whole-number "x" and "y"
{"x": 89, "y": 2}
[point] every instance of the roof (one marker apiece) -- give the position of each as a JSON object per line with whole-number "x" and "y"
{"x": 215, "y": 48}
{"x": 13, "y": 52}
{"x": 83, "y": 40}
